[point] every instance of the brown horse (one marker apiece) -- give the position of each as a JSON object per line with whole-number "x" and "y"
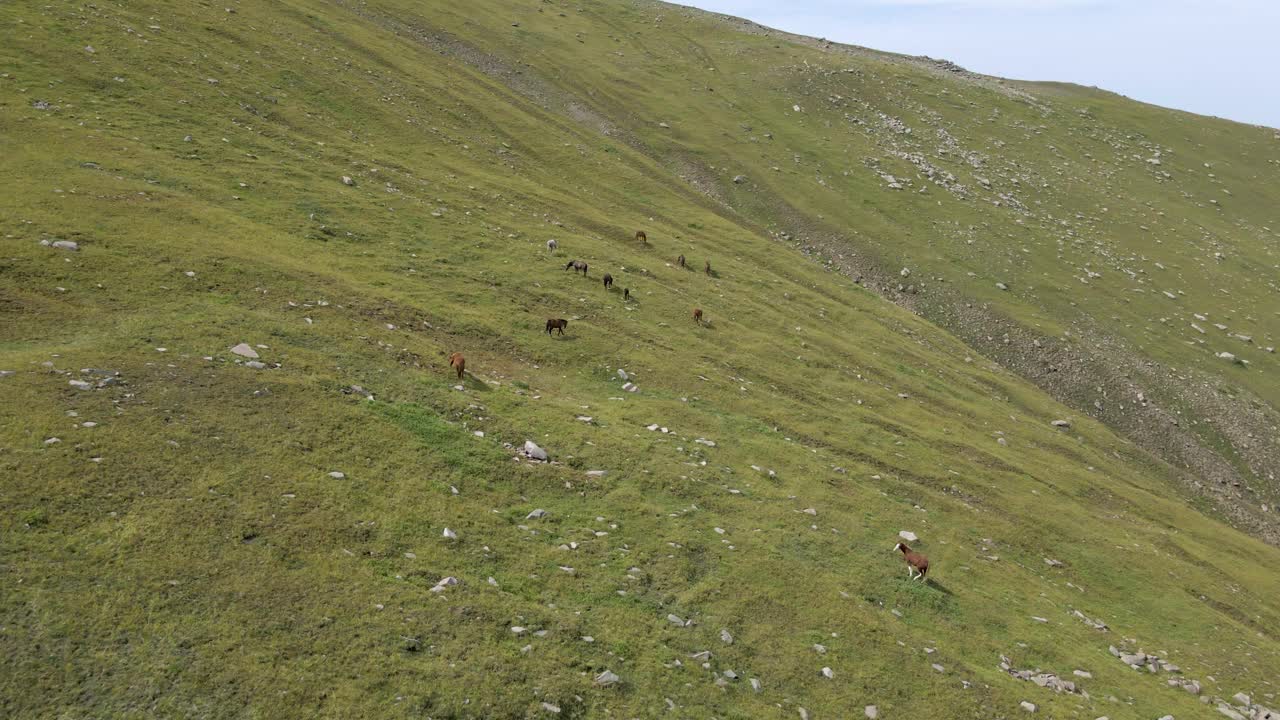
{"x": 458, "y": 363}
{"x": 697, "y": 315}
{"x": 680, "y": 261}
{"x": 608, "y": 281}
{"x": 707, "y": 269}
{"x": 626, "y": 293}
{"x": 577, "y": 265}
{"x": 556, "y": 324}
{"x": 642, "y": 237}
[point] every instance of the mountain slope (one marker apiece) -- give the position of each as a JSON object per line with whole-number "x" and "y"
{"x": 206, "y": 538}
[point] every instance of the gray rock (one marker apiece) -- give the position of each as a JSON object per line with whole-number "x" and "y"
{"x": 80, "y": 384}
{"x": 449, "y": 534}
{"x": 607, "y": 678}
{"x": 675, "y": 619}
{"x": 1002, "y": 286}
{"x": 255, "y": 365}
{"x": 828, "y": 673}
{"x": 1053, "y": 563}
{"x": 739, "y": 179}
{"x": 1029, "y": 707}
{"x": 65, "y": 245}
{"x": 551, "y": 708}
{"x": 444, "y": 583}
{"x": 872, "y": 712}
{"x": 1242, "y": 699}
{"x": 346, "y": 180}
{"x": 337, "y": 475}
{"x": 1061, "y": 423}
{"x": 725, "y": 636}
{"x": 755, "y": 684}
{"x": 907, "y": 535}
{"x": 245, "y": 350}
{"x": 1226, "y": 710}
{"x": 1134, "y": 659}
{"x": 536, "y": 514}
{"x": 622, "y": 374}
{"x": 533, "y": 452}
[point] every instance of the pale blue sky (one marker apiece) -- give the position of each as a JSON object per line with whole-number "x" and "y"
{"x": 1214, "y": 57}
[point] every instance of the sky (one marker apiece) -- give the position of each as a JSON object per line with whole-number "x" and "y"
{"x": 1213, "y": 57}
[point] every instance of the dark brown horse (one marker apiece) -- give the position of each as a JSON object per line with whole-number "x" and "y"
{"x": 697, "y": 315}
{"x": 642, "y": 237}
{"x": 458, "y": 363}
{"x": 626, "y": 293}
{"x": 577, "y": 265}
{"x": 556, "y": 324}
{"x": 680, "y": 261}
{"x": 608, "y": 281}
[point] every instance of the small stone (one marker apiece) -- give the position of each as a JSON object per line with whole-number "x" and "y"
{"x": 449, "y": 534}
{"x": 536, "y": 514}
{"x": 828, "y": 673}
{"x": 755, "y": 684}
{"x": 337, "y": 475}
{"x": 80, "y": 384}
{"x": 1029, "y": 707}
{"x": 726, "y": 637}
{"x": 518, "y": 630}
{"x": 872, "y": 712}
{"x": 65, "y": 245}
{"x": 254, "y": 364}
{"x": 623, "y": 375}
{"x": 1061, "y": 423}
{"x": 907, "y": 535}
{"x": 1002, "y": 286}
{"x": 346, "y": 180}
{"x": 551, "y": 708}
{"x": 675, "y": 619}
{"x": 607, "y": 678}
{"x": 444, "y": 583}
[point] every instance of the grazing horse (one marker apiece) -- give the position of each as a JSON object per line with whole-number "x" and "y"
{"x": 697, "y": 315}
{"x": 680, "y": 261}
{"x": 577, "y": 265}
{"x": 458, "y": 363}
{"x": 642, "y": 237}
{"x": 556, "y": 324}
{"x": 707, "y": 269}
{"x": 626, "y": 293}
{"x": 552, "y": 244}
{"x": 608, "y": 281}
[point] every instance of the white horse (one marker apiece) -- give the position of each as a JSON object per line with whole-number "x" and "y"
{"x": 552, "y": 245}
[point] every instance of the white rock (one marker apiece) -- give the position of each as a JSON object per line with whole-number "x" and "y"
{"x": 336, "y": 475}
{"x": 346, "y": 180}
{"x": 828, "y": 673}
{"x": 536, "y": 514}
{"x": 726, "y": 637}
{"x": 607, "y": 678}
{"x": 1029, "y": 707}
{"x": 444, "y": 583}
{"x": 80, "y": 384}
{"x": 907, "y": 535}
{"x": 872, "y": 712}
{"x": 534, "y": 452}
{"x": 245, "y": 350}
{"x": 449, "y": 534}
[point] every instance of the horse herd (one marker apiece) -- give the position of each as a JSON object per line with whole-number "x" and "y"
{"x": 580, "y": 266}
{"x": 917, "y": 564}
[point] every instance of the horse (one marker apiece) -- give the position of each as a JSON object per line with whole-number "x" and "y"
{"x": 458, "y": 363}
{"x": 556, "y": 324}
{"x": 552, "y": 244}
{"x": 608, "y": 281}
{"x": 577, "y": 265}
{"x": 697, "y": 315}
{"x": 680, "y": 261}
{"x": 626, "y": 293}
{"x": 642, "y": 237}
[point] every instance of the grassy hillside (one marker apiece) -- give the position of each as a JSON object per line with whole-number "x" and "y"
{"x": 186, "y": 534}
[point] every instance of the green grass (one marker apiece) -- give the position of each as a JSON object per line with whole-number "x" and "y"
{"x": 190, "y": 555}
